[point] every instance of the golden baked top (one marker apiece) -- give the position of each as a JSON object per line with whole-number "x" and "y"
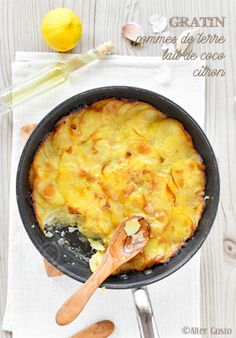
{"x": 114, "y": 159}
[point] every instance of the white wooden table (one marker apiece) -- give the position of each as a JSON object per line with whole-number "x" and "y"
{"x": 102, "y": 20}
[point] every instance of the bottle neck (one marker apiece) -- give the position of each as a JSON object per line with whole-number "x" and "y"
{"x": 79, "y": 61}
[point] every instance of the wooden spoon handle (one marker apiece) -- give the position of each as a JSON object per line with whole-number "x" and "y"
{"x": 75, "y": 304}
{"x": 101, "y": 329}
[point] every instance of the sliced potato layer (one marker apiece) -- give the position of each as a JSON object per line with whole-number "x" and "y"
{"x": 115, "y": 159}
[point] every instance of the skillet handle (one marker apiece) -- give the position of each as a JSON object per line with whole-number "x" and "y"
{"x": 145, "y": 317}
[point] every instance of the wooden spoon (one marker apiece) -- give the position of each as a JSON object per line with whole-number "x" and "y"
{"x": 100, "y": 329}
{"x": 121, "y": 249}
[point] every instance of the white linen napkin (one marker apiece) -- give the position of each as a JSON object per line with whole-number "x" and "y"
{"x": 33, "y": 298}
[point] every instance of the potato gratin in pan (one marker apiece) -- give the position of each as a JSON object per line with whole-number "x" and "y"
{"x": 108, "y": 154}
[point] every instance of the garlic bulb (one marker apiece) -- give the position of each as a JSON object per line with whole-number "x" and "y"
{"x": 158, "y": 23}
{"x": 132, "y": 30}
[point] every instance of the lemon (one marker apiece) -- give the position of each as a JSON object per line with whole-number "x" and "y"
{"x": 61, "y": 29}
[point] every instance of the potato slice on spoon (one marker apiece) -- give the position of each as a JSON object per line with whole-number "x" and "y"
{"x": 121, "y": 249}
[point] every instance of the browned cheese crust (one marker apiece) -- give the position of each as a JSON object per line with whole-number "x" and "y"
{"x": 114, "y": 159}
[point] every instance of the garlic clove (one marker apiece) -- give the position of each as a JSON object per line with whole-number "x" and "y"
{"x": 166, "y": 45}
{"x": 158, "y": 22}
{"x": 132, "y": 30}
{"x": 181, "y": 47}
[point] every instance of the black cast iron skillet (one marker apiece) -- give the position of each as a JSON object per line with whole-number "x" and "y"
{"x": 72, "y": 258}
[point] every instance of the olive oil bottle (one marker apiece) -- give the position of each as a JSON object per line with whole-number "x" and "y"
{"x": 49, "y": 77}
